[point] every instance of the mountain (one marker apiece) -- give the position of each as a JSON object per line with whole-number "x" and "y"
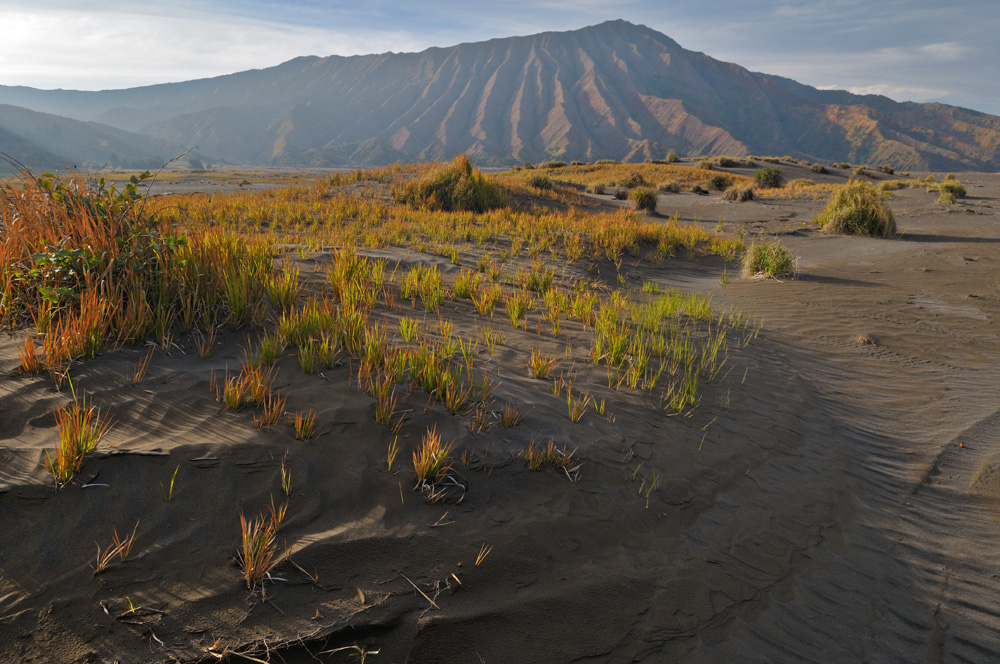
{"x": 615, "y": 90}
{"x": 47, "y": 141}
{"x": 19, "y": 152}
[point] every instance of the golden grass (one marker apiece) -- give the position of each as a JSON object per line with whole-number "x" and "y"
{"x": 633, "y": 174}
{"x": 196, "y": 264}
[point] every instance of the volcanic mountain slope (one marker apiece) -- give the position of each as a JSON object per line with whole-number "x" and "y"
{"x": 47, "y": 141}
{"x": 615, "y": 90}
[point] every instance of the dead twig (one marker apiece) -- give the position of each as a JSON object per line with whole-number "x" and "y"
{"x": 432, "y": 603}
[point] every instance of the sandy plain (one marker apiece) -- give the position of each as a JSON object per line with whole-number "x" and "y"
{"x": 835, "y": 497}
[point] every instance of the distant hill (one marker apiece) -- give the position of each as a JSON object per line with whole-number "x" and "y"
{"x": 615, "y": 90}
{"x": 18, "y": 152}
{"x": 47, "y": 141}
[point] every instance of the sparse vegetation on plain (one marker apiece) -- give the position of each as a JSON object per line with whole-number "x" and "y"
{"x": 308, "y": 278}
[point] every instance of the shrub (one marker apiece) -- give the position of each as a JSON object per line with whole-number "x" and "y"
{"x": 672, "y": 157}
{"x": 769, "y": 178}
{"x": 767, "y": 258}
{"x": 726, "y": 162}
{"x": 950, "y": 176}
{"x": 596, "y": 188}
{"x": 947, "y": 198}
{"x": 953, "y": 187}
{"x": 771, "y": 160}
{"x": 706, "y": 163}
{"x": 751, "y": 163}
{"x": 800, "y": 182}
{"x": 457, "y": 186}
{"x": 860, "y": 171}
{"x": 843, "y": 165}
{"x": 886, "y": 168}
{"x": 605, "y": 162}
{"x": 527, "y": 166}
{"x": 819, "y": 168}
{"x": 858, "y": 208}
{"x": 739, "y": 193}
{"x": 670, "y": 186}
{"x": 720, "y": 182}
{"x": 621, "y": 193}
{"x": 891, "y": 185}
{"x": 539, "y": 181}
{"x": 644, "y": 198}
{"x": 552, "y": 164}
{"x": 576, "y": 163}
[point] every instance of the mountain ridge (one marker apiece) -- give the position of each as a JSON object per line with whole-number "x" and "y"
{"x": 614, "y": 90}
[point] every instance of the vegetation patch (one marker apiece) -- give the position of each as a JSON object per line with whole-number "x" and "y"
{"x": 720, "y": 182}
{"x": 644, "y": 198}
{"x": 858, "y": 208}
{"x": 769, "y": 177}
{"x": 768, "y": 259}
{"x": 738, "y": 193}
{"x": 455, "y": 187}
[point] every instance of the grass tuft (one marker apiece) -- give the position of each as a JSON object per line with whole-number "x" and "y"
{"x": 257, "y": 556}
{"x": 431, "y": 462}
{"x": 644, "y": 198}
{"x": 767, "y": 258}
{"x": 455, "y": 187}
{"x": 858, "y": 208}
{"x": 80, "y": 430}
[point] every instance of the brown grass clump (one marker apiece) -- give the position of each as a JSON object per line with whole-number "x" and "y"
{"x": 738, "y": 193}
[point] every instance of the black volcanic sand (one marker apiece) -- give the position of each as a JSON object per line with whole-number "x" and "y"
{"x": 833, "y": 498}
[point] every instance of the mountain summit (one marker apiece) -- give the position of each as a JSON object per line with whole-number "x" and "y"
{"x": 614, "y": 90}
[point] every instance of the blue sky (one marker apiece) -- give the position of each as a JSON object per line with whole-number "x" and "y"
{"x": 917, "y": 50}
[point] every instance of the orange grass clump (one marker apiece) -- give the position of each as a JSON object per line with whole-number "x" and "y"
{"x": 431, "y": 461}
{"x": 259, "y": 548}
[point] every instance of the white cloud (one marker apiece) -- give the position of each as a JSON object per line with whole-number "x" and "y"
{"x": 92, "y": 50}
{"x": 946, "y": 51}
{"x": 899, "y": 93}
